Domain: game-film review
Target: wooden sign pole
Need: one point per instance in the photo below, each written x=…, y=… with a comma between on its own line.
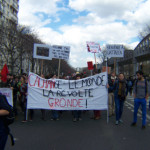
x=59, y=68
x=42, y=66
x=95, y=61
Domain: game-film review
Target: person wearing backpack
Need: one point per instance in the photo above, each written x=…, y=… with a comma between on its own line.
x=4, y=130
x=130, y=85
x=140, y=97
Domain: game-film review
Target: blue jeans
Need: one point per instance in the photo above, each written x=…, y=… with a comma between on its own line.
x=137, y=103
x=119, y=108
x=77, y=114
x=55, y=114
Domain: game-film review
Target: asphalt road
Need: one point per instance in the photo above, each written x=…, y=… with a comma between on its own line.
x=87, y=134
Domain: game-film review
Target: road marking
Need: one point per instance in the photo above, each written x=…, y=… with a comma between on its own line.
x=147, y=116
x=16, y=139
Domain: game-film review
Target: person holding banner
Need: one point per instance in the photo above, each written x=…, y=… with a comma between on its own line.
x=77, y=113
x=55, y=114
x=120, y=92
x=111, y=102
x=43, y=110
x=96, y=113
x=23, y=93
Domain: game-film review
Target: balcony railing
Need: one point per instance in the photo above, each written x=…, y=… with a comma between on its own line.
x=15, y=6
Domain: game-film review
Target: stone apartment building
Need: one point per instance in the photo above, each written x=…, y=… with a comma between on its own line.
x=9, y=11
x=8, y=16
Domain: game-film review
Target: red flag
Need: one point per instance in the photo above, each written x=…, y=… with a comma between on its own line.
x=4, y=73
x=90, y=65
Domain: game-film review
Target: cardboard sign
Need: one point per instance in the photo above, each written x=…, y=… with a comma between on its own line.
x=42, y=51
x=8, y=93
x=93, y=47
x=115, y=50
x=108, y=69
x=90, y=65
x=60, y=52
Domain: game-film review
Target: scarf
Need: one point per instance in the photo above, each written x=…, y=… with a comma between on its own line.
x=122, y=88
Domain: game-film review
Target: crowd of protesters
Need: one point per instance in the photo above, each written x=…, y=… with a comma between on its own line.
x=118, y=89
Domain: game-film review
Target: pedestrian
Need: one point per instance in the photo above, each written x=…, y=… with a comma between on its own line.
x=55, y=113
x=43, y=112
x=120, y=92
x=130, y=85
x=140, y=97
x=4, y=130
x=15, y=91
x=111, y=101
x=23, y=98
x=96, y=113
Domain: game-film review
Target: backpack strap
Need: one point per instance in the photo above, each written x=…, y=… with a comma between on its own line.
x=145, y=87
x=136, y=86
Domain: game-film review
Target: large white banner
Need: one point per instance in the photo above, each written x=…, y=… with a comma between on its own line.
x=8, y=93
x=115, y=50
x=93, y=47
x=85, y=94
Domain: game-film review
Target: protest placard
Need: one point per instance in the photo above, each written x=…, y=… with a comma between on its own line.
x=93, y=47
x=85, y=94
x=8, y=93
x=60, y=52
x=115, y=50
x=42, y=51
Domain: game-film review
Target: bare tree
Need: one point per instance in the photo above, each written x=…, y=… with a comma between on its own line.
x=103, y=55
x=8, y=45
x=16, y=48
x=145, y=31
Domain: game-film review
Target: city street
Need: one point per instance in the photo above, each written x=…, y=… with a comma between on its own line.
x=87, y=134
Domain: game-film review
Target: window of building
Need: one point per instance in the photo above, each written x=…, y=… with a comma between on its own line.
x=146, y=42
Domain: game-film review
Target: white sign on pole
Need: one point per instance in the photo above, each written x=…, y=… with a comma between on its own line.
x=42, y=51
x=115, y=50
x=85, y=94
x=8, y=93
x=93, y=47
x=60, y=52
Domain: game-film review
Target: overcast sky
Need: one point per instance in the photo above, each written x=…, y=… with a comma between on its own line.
x=73, y=22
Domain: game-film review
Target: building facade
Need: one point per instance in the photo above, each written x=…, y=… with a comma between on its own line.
x=9, y=11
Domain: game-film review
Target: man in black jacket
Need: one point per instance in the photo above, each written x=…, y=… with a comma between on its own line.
x=4, y=130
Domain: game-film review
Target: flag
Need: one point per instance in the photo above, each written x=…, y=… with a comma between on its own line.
x=4, y=73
